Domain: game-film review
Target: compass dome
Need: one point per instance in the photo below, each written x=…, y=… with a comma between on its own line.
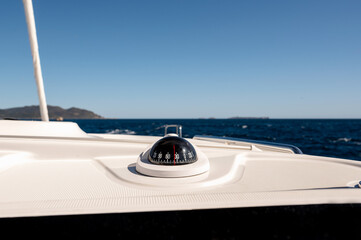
x=172, y=150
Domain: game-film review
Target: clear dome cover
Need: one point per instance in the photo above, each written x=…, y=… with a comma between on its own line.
x=172, y=150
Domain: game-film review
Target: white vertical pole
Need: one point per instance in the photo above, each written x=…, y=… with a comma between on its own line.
x=29, y=13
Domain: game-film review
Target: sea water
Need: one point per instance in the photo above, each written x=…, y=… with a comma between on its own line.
x=322, y=137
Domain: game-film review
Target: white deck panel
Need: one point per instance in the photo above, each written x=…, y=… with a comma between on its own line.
x=61, y=176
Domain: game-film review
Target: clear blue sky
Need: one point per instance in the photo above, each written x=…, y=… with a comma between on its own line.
x=187, y=59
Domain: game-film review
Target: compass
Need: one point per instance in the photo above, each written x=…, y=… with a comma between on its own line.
x=172, y=150
x=172, y=156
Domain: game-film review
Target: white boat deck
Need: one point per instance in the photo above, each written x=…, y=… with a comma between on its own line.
x=53, y=174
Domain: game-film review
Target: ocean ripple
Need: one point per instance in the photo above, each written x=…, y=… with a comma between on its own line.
x=121, y=131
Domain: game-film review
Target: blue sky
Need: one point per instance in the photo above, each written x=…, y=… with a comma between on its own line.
x=187, y=59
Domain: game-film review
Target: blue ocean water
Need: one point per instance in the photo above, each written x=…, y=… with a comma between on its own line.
x=332, y=138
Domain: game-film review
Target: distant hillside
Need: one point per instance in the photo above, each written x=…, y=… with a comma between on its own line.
x=33, y=112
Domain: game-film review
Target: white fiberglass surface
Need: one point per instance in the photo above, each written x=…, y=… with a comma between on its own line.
x=47, y=176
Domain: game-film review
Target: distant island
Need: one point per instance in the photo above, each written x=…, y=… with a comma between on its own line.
x=248, y=118
x=237, y=118
x=55, y=112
